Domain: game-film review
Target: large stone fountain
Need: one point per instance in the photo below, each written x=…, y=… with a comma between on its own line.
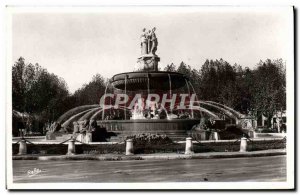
x=140, y=114
x=147, y=79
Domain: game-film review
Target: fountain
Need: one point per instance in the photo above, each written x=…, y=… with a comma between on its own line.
x=144, y=101
x=143, y=114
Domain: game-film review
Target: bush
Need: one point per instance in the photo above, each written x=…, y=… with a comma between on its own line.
x=146, y=148
x=149, y=139
x=61, y=149
x=153, y=143
x=266, y=130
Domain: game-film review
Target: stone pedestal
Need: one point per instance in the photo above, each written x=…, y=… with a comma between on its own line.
x=251, y=134
x=214, y=136
x=88, y=138
x=71, y=147
x=81, y=137
x=254, y=134
x=22, y=147
x=148, y=62
x=189, y=146
x=129, y=147
x=50, y=136
x=243, y=146
x=202, y=135
x=254, y=124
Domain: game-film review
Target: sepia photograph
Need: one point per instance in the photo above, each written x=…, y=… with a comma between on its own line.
x=150, y=97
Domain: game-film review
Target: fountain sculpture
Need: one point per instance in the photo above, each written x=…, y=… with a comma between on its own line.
x=144, y=101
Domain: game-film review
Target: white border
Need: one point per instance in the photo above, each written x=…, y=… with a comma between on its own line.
x=178, y=185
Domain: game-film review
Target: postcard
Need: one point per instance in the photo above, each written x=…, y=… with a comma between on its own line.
x=150, y=97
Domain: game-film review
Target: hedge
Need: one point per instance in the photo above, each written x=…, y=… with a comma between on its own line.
x=61, y=149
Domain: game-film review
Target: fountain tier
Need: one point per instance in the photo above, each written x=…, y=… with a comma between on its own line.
x=158, y=80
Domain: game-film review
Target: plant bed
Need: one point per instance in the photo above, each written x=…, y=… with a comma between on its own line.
x=235, y=146
x=148, y=148
x=267, y=144
x=61, y=149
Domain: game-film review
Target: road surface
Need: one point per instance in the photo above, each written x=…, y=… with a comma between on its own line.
x=193, y=170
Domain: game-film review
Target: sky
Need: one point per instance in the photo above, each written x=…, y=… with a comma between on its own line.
x=76, y=45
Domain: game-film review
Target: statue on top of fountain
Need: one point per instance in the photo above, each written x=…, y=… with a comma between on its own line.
x=148, y=61
x=148, y=42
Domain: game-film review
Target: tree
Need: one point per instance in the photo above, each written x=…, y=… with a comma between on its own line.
x=245, y=86
x=92, y=92
x=23, y=77
x=184, y=69
x=49, y=95
x=170, y=68
x=37, y=92
x=192, y=74
x=269, y=90
x=218, y=82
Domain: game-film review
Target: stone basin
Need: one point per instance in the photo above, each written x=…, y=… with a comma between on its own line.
x=158, y=80
x=176, y=129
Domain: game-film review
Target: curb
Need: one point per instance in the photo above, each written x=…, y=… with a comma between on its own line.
x=171, y=156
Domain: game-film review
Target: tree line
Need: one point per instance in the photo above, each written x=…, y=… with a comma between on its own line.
x=45, y=96
x=257, y=91
x=261, y=90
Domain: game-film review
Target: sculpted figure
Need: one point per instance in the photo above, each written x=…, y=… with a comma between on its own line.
x=149, y=41
x=144, y=42
x=76, y=127
x=154, y=42
x=84, y=126
x=55, y=126
x=93, y=125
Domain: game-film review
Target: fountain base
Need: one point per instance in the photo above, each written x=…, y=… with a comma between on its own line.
x=175, y=129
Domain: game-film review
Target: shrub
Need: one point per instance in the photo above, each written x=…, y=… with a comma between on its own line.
x=146, y=148
x=150, y=139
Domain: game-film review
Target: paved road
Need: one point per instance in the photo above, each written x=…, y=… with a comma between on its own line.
x=192, y=170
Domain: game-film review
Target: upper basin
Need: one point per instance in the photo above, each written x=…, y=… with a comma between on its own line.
x=158, y=80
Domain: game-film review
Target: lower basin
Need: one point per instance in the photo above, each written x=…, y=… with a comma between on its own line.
x=176, y=129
